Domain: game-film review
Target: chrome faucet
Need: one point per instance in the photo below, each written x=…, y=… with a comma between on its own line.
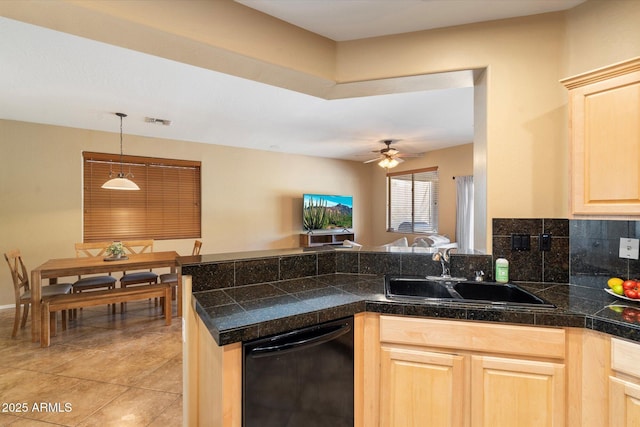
x=444, y=258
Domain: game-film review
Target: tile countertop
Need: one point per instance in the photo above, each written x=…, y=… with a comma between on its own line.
x=258, y=310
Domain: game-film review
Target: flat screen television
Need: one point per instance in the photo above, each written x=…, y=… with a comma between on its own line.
x=327, y=212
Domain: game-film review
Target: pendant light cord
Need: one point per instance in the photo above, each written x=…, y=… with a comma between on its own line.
x=121, y=115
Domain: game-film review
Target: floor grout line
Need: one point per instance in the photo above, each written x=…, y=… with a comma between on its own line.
x=135, y=333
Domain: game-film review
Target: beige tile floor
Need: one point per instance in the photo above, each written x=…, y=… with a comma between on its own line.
x=104, y=370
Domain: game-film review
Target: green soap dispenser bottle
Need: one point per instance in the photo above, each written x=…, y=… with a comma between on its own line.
x=502, y=270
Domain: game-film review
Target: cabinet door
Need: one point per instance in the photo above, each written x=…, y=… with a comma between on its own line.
x=420, y=388
x=605, y=140
x=624, y=403
x=510, y=392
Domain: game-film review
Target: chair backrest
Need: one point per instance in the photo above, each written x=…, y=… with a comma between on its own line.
x=196, y=247
x=91, y=249
x=138, y=246
x=19, y=272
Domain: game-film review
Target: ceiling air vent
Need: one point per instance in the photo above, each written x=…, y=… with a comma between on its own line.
x=163, y=122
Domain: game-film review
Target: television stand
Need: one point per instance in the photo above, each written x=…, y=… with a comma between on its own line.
x=325, y=237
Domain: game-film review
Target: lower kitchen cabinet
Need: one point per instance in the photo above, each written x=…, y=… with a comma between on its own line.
x=470, y=374
x=624, y=397
x=408, y=378
x=624, y=384
x=503, y=390
x=211, y=374
x=412, y=371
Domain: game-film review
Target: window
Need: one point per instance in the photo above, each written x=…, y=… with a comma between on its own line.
x=413, y=201
x=166, y=207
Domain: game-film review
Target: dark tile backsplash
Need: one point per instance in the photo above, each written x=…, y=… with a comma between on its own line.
x=534, y=265
x=595, y=248
x=582, y=252
x=211, y=276
x=257, y=271
x=293, y=267
x=240, y=273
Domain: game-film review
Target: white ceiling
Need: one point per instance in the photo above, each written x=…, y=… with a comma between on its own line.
x=55, y=78
x=342, y=20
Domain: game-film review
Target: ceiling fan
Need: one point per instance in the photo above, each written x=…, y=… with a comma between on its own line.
x=390, y=157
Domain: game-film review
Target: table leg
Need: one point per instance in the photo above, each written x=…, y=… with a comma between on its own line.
x=36, y=297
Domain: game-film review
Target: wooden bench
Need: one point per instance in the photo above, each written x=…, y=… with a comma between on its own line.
x=87, y=299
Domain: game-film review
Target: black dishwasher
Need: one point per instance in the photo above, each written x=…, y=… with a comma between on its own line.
x=300, y=378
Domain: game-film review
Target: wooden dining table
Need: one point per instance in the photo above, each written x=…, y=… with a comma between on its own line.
x=67, y=267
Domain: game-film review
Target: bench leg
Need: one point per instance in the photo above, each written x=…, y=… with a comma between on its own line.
x=44, y=325
x=167, y=306
x=53, y=321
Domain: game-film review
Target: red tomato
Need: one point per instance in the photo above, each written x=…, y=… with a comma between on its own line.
x=631, y=293
x=629, y=284
x=629, y=315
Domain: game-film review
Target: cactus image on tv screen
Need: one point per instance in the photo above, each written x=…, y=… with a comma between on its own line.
x=327, y=212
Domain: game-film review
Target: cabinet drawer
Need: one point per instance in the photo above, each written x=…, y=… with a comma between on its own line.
x=625, y=356
x=474, y=336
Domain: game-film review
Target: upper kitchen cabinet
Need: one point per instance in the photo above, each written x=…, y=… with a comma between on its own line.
x=604, y=117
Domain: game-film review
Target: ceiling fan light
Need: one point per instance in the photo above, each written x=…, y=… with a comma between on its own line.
x=388, y=163
x=120, y=183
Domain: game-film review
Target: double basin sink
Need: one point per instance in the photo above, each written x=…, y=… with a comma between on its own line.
x=442, y=289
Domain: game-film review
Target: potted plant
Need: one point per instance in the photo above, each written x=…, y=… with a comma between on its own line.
x=115, y=250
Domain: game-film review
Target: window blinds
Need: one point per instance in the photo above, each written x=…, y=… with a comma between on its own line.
x=166, y=207
x=413, y=201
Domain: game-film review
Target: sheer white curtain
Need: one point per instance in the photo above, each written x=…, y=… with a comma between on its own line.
x=464, y=213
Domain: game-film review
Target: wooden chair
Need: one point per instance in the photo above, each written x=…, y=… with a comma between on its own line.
x=172, y=278
x=93, y=249
x=20, y=277
x=142, y=277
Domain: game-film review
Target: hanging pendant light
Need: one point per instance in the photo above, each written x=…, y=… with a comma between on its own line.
x=121, y=181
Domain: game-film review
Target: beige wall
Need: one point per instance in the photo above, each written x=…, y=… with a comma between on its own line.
x=601, y=33
x=526, y=139
x=454, y=161
x=250, y=199
x=525, y=136
x=525, y=145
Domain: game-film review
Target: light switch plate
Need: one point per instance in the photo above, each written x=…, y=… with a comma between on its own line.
x=629, y=248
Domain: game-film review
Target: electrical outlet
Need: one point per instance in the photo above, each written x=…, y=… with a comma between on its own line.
x=545, y=242
x=629, y=248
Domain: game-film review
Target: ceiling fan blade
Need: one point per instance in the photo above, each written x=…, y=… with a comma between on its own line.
x=410, y=155
x=377, y=159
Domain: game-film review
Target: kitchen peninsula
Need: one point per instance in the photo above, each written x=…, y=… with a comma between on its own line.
x=240, y=297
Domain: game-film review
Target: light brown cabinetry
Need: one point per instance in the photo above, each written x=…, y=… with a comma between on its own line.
x=212, y=374
x=408, y=379
x=412, y=371
x=503, y=389
x=454, y=373
x=624, y=384
x=604, y=114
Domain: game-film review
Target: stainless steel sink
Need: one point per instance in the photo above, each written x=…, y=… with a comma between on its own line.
x=456, y=290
